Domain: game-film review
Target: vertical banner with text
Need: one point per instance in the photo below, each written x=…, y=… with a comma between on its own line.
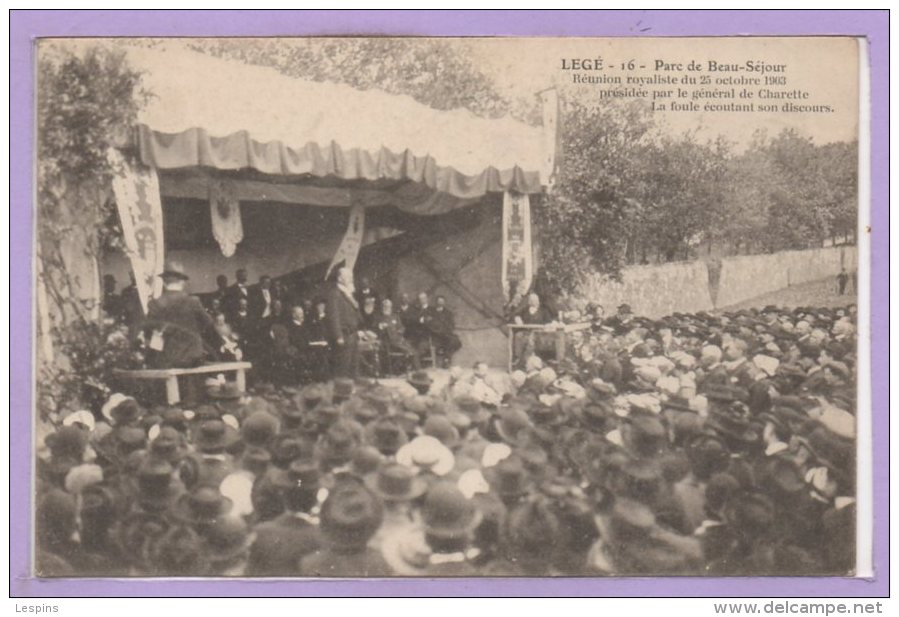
x=518, y=257
x=352, y=241
x=137, y=198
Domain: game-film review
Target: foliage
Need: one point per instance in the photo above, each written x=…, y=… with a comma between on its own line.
x=430, y=70
x=92, y=350
x=86, y=103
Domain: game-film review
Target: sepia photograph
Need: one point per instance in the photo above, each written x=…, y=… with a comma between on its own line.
x=374, y=307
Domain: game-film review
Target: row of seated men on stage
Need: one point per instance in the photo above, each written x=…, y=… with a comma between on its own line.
x=347, y=331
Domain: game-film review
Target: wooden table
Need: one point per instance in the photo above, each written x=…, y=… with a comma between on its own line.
x=170, y=376
x=560, y=330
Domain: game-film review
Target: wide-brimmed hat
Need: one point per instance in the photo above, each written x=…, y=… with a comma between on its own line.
x=448, y=514
x=259, y=428
x=471, y=407
x=290, y=447
x=512, y=423
x=173, y=270
x=360, y=409
x=395, y=482
x=82, y=419
x=226, y=539
x=155, y=486
x=441, y=427
x=310, y=396
x=365, y=460
x=386, y=435
x=350, y=515
x=168, y=444
x=336, y=445
x=733, y=425
x=176, y=552
x=723, y=393
x=831, y=450
x=343, y=388
x=69, y=442
x=427, y=454
x=785, y=475
x=420, y=379
x=214, y=435
x=256, y=459
x=203, y=506
x=127, y=411
x=137, y=533
x=111, y=403
x=381, y=399
x=508, y=478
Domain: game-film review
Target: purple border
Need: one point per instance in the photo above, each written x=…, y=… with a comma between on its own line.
x=26, y=25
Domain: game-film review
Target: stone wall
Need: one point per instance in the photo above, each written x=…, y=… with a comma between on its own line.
x=655, y=291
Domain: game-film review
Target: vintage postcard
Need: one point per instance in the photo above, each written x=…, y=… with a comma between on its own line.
x=442, y=307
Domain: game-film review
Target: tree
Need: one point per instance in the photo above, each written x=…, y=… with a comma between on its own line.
x=585, y=223
x=86, y=103
x=430, y=70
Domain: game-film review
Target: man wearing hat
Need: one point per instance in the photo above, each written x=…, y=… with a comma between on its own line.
x=622, y=321
x=350, y=516
x=343, y=320
x=176, y=325
x=283, y=541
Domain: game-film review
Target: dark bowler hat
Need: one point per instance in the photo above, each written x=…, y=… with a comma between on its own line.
x=441, y=427
x=155, y=487
x=259, y=428
x=448, y=514
x=395, y=482
x=336, y=446
x=350, y=516
x=508, y=478
x=215, y=435
x=173, y=270
x=386, y=435
x=203, y=506
x=176, y=552
x=227, y=539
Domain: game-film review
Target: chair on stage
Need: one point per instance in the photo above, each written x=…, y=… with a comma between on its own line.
x=429, y=358
x=370, y=358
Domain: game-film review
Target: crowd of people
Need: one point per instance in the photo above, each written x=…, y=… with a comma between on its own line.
x=290, y=338
x=695, y=444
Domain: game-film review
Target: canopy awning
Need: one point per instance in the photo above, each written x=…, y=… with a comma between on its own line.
x=226, y=115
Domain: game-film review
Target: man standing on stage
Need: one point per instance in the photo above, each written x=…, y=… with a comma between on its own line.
x=177, y=325
x=343, y=320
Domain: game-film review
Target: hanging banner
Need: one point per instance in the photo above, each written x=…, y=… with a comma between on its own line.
x=518, y=257
x=137, y=198
x=224, y=209
x=549, y=100
x=352, y=241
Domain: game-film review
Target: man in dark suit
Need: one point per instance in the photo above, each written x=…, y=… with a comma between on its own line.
x=239, y=290
x=298, y=336
x=418, y=329
x=526, y=342
x=392, y=332
x=261, y=299
x=443, y=331
x=177, y=324
x=317, y=331
x=365, y=290
x=343, y=320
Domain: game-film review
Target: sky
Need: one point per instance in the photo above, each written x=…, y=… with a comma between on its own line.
x=825, y=67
